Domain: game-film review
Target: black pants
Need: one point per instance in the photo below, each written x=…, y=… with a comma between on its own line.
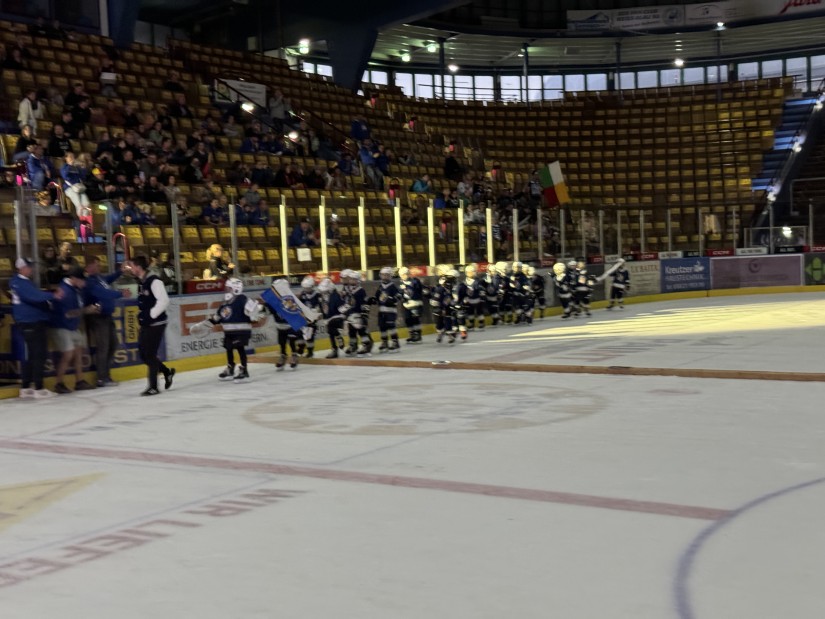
x=102, y=331
x=33, y=365
x=148, y=345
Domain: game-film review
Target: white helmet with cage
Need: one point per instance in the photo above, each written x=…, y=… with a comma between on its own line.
x=232, y=288
x=404, y=273
x=308, y=283
x=385, y=274
x=326, y=286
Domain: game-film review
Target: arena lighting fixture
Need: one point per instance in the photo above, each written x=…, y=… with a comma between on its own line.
x=679, y=62
x=293, y=135
x=248, y=107
x=102, y=207
x=720, y=25
x=303, y=46
x=452, y=67
x=432, y=47
x=787, y=232
x=772, y=196
x=405, y=57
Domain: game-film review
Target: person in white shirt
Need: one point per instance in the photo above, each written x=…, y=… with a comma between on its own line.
x=29, y=111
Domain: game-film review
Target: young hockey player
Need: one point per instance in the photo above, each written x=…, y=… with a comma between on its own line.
x=312, y=299
x=356, y=310
x=235, y=316
x=387, y=297
x=505, y=298
x=620, y=285
x=441, y=301
x=564, y=286
x=476, y=295
x=412, y=293
x=518, y=292
x=491, y=294
x=536, y=285
x=331, y=304
x=459, y=305
x=584, y=288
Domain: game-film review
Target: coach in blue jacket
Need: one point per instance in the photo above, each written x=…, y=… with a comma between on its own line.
x=101, y=327
x=31, y=308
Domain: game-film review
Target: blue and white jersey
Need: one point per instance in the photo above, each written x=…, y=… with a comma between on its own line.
x=476, y=291
x=412, y=292
x=232, y=315
x=311, y=298
x=621, y=279
x=388, y=296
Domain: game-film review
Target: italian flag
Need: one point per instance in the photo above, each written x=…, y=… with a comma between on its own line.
x=552, y=183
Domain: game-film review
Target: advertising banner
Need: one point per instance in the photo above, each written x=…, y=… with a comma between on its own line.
x=658, y=17
x=185, y=311
x=645, y=278
x=685, y=274
x=253, y=92
x=756, y=271
x=814, y=269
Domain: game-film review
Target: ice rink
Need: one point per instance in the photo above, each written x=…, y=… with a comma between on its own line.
x=478, y=480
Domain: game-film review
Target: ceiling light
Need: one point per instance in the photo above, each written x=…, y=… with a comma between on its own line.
x=303, y=46
x=432, y=48
x=452, y=67
x=720, y=25
x=679, y=62
x=248, y=107
x=405, y=57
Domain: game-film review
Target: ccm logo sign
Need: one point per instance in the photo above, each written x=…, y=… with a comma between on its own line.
x=203, y=286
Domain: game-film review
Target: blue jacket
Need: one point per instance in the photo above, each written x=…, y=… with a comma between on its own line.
x=28, y=302
x=72, y=174
x=34, y=165
x=66, y=312
x=99, y=290
x=366, y=156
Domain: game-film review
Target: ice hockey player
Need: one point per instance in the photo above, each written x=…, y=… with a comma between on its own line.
x=387, y=297
x=235, y=316
x=505, y=299
x=475, y=297
x=355, y=299
x=459, y=305
x=584, y=288
x=564, y=286
x=310, y=297
x=518, y=293
x=287, y=337
x=412, y=293
x=490, y=283
x=620, y=285
x=441, y=301
x=537, y=294
x=331, y=304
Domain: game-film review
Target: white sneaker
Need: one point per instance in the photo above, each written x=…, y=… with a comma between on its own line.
x=42, y=394
x=26, y=394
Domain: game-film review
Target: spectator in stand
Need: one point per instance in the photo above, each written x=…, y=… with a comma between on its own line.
x=31, y=308
x=25, y=144
x=202, y=154
x=337, y=180
x=360, y=129
x=20, y=46
x=39, y=168
x=230, y=128
x=259, y=215
x=156, y=134
x=172, y=83
x=127, y=165
x=423, y=185
x=213, y=214
x=81, y=117
x=179, y=108
x=105, y=143
x=315, y=179
x=29, y=111
x=148, y=216
x=39, y=28
x=192, y=173
x=252, y=195
x=279, y=109
x=14, y=61
x=407, y=159
x=74, y=188
x=218, y=268
x=153, y=191
x=372, y=174
x=64, y=332
x=98, y=189
x=237, y=174
x=131, y=214
x=249, y=145
x=75, y=95
x=164, y=119
x=59, y=144
x=107, y=77
x=452, y=168
x=325, y=149
x=173, y=192
x=50, y=270
x=185, y=214
x=302, y=235
x=150, y=166
x=334, y=232
x=345, y=165
x=101, y=326
x=130, y=119
x=262, y=175
x=382, y=162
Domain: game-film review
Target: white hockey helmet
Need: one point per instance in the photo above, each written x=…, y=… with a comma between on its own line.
x=501, y=268
x=308, y=283
x=517, y=266
x=529, y=270
x=232, y=288
x=491, y=269
x=559, y=268
x=404, y=273
x=326, y=286
x=571, y=264
x=356, y=276
x=385, y=274
x=471, y=270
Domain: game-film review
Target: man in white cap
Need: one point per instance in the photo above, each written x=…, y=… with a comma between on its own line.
x=31, y=308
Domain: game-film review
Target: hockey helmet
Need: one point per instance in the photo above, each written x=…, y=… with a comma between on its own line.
x=385, y=274
x=501, y=268
x=326, y=286
x=308, y=283
x=442, y=269
x=529, y=270
x=491, y=270
x=559, y=268
x=232, y=288
x=517, y=266
x=356, y=277
x=404, y=273
x=471, y=270
x=571, y=264
x=581, y=265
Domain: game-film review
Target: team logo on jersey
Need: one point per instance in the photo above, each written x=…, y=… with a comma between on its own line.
x=289, y=304
x=225, y=312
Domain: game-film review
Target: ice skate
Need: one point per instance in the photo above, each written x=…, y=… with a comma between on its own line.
x=228, y=373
